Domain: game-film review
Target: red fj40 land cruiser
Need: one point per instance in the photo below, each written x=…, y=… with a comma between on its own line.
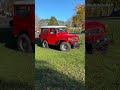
x=24, y=25
x=58, y=35
x=96, y=36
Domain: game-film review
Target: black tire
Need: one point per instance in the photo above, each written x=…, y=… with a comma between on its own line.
x=45, y=44
x=24, y=43
x=64, y=46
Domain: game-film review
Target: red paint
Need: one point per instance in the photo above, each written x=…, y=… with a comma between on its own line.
x=25, y=24
x=90, y=26
x=57, y=37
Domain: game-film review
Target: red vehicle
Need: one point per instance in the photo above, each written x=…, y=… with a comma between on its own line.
x=24, y=25
x=96, y=35
x=58, y=35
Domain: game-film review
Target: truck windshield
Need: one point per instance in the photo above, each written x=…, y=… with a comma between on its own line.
x=61, y=30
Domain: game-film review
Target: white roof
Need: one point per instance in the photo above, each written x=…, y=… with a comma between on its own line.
x=24, y=2
x=53, y=27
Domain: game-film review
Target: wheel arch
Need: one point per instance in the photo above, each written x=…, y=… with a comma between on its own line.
x=24, y=32
x=59, y=42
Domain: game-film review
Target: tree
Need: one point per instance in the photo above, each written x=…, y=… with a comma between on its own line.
x=53, y=21
x=102, y=10
x=7, y=5
x=60, y=22
x=80, y=15
x=69, y=22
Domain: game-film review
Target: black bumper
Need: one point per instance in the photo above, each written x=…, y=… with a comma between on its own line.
x=77, y=45
x=97, y=45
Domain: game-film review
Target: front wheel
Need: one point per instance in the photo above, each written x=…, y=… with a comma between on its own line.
x=24, y=43
x=64, y=46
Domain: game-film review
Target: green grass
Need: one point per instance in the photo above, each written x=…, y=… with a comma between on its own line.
x=102, y=70
x=58, y=69
x=16, y=68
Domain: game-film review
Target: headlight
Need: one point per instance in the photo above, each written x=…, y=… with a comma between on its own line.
x=74, y=39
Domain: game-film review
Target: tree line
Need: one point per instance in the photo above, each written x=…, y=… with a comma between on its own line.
x=98, y=8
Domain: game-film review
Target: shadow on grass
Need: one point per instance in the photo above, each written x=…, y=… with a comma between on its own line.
x=10, y=43
x=48, y=78
x=14, y=85
x=39, y=43
x=6, y=38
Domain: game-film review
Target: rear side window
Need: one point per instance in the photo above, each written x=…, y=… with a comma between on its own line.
x=22, y=11
x=44, y=30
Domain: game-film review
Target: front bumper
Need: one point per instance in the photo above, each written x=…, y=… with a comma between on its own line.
x=98, y=44
x=76, y=45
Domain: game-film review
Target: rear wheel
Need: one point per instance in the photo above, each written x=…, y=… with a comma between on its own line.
x=45, y=44
x=24, y=43
x=64, y=46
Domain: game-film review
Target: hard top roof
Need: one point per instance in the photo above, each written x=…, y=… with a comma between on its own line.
x=24, y=2
x=53, y=27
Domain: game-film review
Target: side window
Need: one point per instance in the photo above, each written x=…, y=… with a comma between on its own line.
x=52, y=31
x=22, y=11
x=44, y=31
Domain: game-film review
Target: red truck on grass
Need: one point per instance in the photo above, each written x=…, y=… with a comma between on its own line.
x=58, y=36
x=24, y=25
x=96, y=36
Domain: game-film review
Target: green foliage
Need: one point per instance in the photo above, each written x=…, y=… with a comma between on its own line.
x=80, y=16
x=53, y=21
x=7, y=5
x=45, y=22
x=102, y=10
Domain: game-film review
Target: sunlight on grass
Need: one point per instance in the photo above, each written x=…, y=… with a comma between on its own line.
x=70, y=63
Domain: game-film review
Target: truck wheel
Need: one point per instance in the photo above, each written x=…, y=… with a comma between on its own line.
x=24, y=43
x=64, y=46
x=45, y=44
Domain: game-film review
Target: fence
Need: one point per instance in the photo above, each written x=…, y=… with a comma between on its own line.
x=75, y=29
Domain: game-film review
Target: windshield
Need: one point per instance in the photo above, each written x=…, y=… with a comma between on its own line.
x=61, y=30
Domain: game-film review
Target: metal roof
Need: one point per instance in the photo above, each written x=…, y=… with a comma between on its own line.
x=24, y=2
x=53, y=27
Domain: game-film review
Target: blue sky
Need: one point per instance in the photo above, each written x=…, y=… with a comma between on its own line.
x=61, y=9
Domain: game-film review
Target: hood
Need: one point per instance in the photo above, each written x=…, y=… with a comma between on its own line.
x=92, y=24
x=67, y=35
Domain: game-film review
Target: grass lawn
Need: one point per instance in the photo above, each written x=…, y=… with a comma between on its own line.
x=57, y=69
x=16, y=68
x=103, y=70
